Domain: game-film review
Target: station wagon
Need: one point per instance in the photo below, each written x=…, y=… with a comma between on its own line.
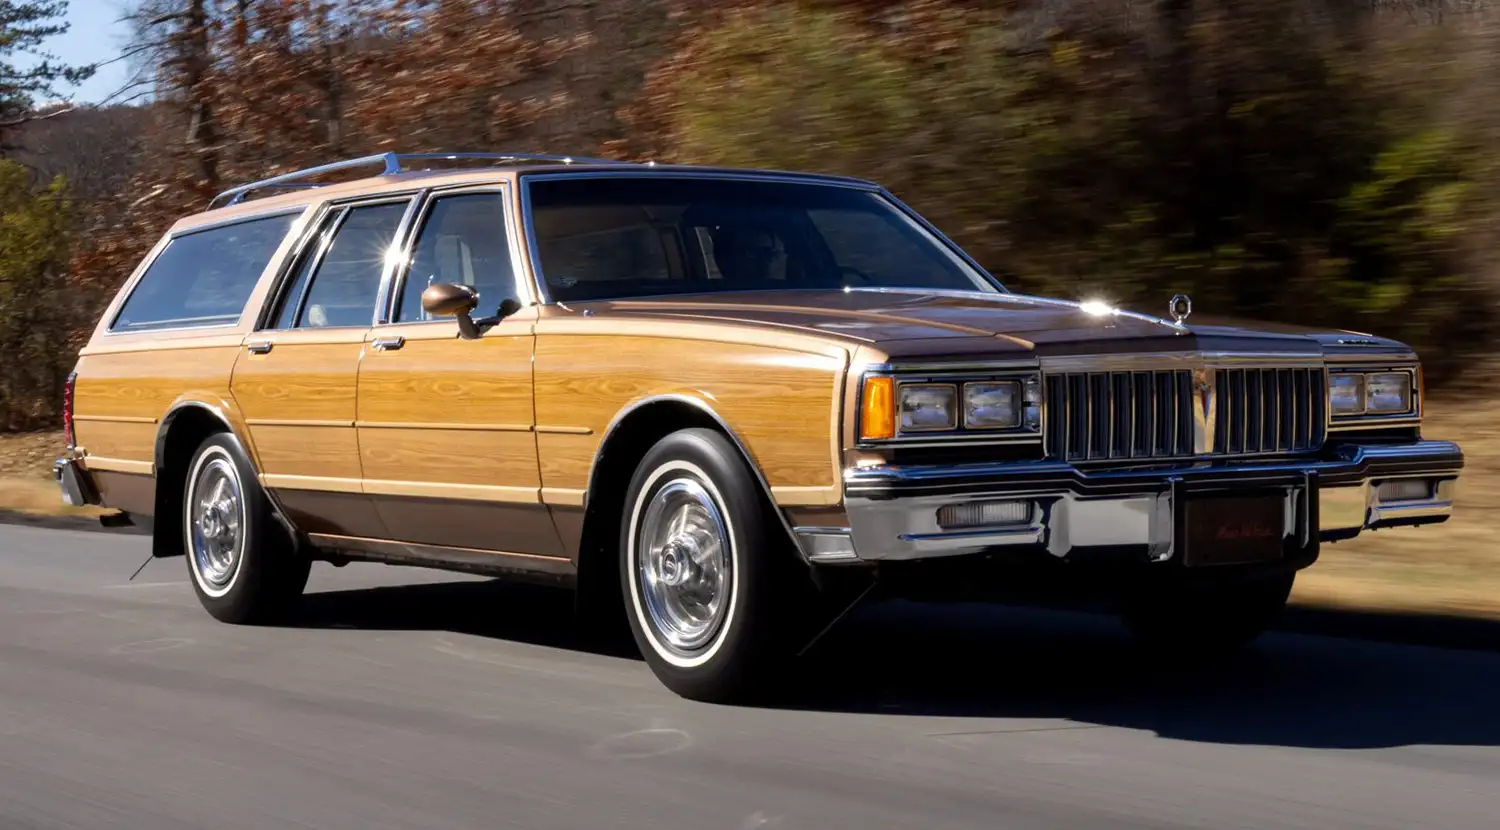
x=724, y=403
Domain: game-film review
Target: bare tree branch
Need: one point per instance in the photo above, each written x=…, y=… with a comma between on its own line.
x=132, y=52
x=123, y=101
x=110, y=99
x=27, y=119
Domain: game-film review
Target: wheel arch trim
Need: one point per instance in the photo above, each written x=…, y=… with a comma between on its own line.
x=240, y=436
x=216, y=411
x=704, y=408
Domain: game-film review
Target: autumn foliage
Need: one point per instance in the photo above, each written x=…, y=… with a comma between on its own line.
x=1300, y=160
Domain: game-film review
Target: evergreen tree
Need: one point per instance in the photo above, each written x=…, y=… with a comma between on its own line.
x=27, y=71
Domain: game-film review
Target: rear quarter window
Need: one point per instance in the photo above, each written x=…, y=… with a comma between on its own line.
x=204, y=278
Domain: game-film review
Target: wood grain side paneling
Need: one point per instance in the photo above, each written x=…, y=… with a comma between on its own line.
x=444, y=421
x=442, y=410
x=314, y=451
x=121, y=396
x=781, y=401
x=299, y=401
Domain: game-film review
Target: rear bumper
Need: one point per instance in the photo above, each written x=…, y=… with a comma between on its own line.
x=77, y=486
x=1070, y=513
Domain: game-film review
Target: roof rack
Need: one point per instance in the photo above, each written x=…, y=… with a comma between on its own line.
x=391, y=164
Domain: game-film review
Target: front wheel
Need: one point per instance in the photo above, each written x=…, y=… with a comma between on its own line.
x=241, y=563
x=701, y=573
x=1197, y=622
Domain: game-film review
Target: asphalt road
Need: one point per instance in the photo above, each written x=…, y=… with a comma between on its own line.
x=416, y=699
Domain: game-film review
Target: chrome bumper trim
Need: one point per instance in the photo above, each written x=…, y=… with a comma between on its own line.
x=74, y=482
x=1358, y=507
x=893, y=510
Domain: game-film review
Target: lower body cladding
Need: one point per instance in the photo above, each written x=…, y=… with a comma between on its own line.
x=1195, y=514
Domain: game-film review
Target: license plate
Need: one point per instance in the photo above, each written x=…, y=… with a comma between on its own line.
x=1234, y=530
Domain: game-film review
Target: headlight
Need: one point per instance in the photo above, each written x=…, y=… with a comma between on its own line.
x=992, y=405
x=1371, y=393
x=950, y=407
x=929, y=407
x=1346, y=394
x=1388, y=392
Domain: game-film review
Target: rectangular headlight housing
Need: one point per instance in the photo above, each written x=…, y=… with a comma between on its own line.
x=1373, y=394
x=1346, y=394
x=1388, y=393
x=928, y=407
x=995, y=405
x=949, y=405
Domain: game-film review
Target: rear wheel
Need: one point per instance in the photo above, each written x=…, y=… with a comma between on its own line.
x=1195, y=622
x=701, y=574
x=240, y=561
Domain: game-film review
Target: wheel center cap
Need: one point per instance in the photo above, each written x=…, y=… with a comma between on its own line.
x=675, y=566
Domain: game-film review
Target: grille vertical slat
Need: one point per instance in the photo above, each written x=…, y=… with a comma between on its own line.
x=1275, y=410
x=1120, y=415
x=1104, y=416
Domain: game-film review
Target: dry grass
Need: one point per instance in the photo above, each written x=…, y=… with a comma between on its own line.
x=26, y=476
x=1452, y=568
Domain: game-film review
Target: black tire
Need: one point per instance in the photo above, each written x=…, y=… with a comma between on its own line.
x=1204, y=622
x=266, y=577
x=753, y=637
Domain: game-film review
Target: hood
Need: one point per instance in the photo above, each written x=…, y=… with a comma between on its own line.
x=912, y=322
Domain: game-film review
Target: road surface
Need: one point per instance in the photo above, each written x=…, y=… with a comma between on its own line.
x=417, y=699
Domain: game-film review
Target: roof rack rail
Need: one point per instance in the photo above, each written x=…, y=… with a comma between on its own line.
x=391, y=164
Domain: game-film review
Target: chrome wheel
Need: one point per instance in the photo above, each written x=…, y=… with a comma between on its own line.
x=216, y=522
x=683, y=565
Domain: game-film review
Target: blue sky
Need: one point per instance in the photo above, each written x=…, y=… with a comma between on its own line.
x=95, y=35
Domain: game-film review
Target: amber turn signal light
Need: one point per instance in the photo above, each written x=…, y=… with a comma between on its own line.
x=877, y=409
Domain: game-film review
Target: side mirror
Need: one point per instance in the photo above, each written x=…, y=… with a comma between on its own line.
x=446, y=299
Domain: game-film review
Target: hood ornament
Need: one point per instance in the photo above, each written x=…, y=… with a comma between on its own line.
x=1181, y=307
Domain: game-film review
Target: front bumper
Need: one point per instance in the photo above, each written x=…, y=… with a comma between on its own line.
x=893, y=512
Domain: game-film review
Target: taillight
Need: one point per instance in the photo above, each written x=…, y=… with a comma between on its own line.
x=68, y=410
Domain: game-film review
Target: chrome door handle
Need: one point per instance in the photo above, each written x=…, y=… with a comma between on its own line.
x=261, y=347
x=388, y=344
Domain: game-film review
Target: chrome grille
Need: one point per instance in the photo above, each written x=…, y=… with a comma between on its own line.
x=1260, y=411
x=1103, y=416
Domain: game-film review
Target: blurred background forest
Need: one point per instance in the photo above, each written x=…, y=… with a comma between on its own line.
x=1329, y=162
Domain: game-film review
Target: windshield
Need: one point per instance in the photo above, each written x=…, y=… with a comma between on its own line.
x=612, y=237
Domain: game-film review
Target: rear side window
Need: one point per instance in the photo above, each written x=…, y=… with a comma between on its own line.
x=204, y=278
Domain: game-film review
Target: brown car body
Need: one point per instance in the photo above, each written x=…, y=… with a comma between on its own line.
x=406, y=442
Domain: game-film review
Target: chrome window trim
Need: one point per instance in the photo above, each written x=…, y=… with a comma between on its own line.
x=342, y=206
x=428, y=198
x=943, y=239
x=310, y=235
x=538, y=280
x=325, y=241
x=390, y=267
x=165, y=241
x=266, y=213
